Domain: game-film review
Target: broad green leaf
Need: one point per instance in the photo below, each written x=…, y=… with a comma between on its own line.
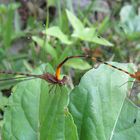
x=128, y=123
x=78, y=64
x=56, y=32
x=69, y=123
x=46, y=46
x=100, y=108
x=37, y=111
x=75, y=22
x=90, y=34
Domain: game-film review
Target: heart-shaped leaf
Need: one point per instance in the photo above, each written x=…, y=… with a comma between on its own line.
x=100, y=107
x=38, y=111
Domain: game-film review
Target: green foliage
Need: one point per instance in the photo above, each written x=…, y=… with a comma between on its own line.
x=41, y=112
x=10, y=32
x=78, y=64
x=7, y=31
x=86, y=34
x=98, y=108
x=56, y=32
x=130, y=21
x=98, y=102
x=80, y=33
x=46, y=46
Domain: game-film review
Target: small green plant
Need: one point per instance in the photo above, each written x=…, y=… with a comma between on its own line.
x=69, y=43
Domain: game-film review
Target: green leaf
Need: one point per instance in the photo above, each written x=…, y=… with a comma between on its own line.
x=69, y=123
x=56, y=32
x=90, y=34
x=85, y=34
x=127, y=12
x=78, y=64
x=130, y=22
x=127, y=127
x=37, y=111
x=100, y=108
x=102, y=41
x=76, y=23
